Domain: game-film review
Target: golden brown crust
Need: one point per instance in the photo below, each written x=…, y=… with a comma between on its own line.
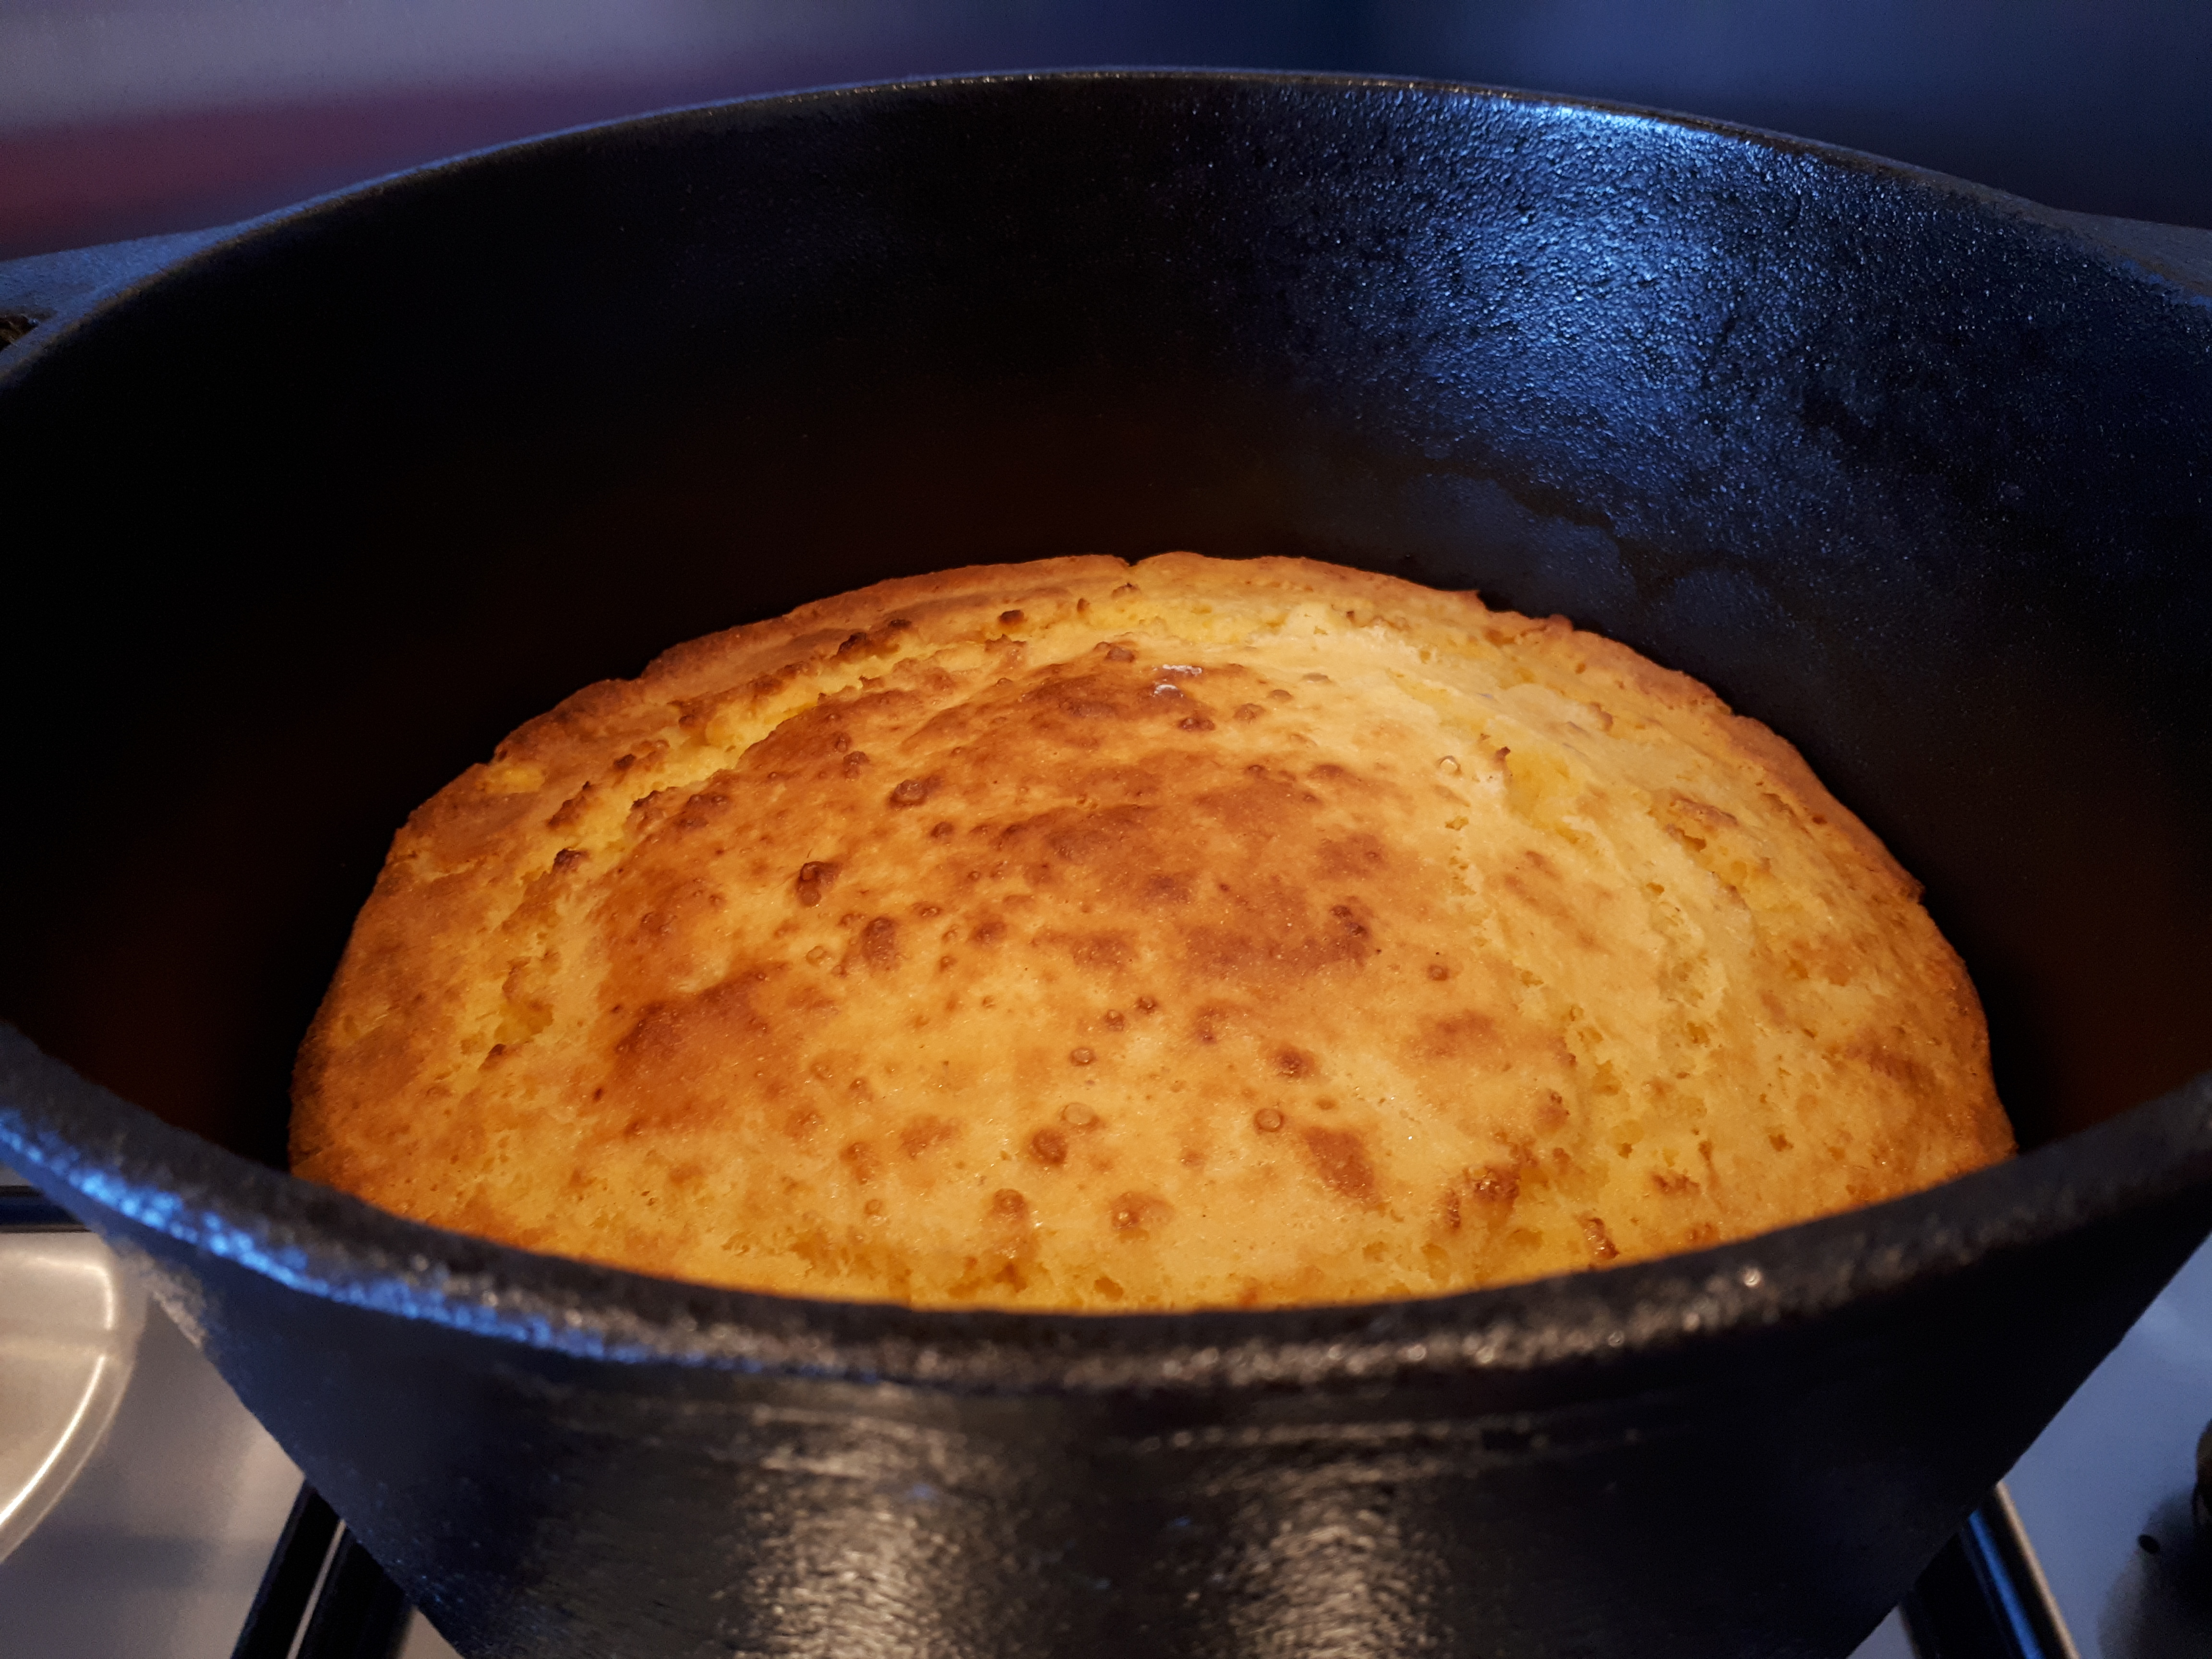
x=1073, y=934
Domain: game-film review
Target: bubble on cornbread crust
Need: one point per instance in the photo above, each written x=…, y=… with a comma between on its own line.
x=1079, y=936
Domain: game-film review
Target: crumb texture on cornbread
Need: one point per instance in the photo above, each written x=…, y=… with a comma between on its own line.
x=1082, y=935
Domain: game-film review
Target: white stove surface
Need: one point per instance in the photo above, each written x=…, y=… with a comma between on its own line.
x=156, y=1551
x=2104, y=1493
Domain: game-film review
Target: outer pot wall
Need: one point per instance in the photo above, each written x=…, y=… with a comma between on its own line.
x=1749, y=1451
x=1915, y=473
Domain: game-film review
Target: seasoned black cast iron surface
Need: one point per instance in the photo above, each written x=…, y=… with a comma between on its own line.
x=1916, y=474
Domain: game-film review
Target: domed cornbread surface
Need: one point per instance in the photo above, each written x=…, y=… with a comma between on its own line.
x=1077, y=935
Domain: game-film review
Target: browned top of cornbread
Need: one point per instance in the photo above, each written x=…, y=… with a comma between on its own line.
x=1078, y=935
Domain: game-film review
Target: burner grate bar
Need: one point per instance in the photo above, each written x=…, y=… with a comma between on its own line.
x=1984, y=1596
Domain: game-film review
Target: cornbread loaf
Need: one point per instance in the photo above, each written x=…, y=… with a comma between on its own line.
x=1081, y=935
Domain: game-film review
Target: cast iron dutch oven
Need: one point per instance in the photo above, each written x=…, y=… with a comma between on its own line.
x=1917, y=473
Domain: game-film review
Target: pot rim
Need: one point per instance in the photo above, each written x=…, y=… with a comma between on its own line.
x=122, y=1168
x=159, y=259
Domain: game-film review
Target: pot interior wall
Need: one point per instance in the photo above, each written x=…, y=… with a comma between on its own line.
x=309, y=525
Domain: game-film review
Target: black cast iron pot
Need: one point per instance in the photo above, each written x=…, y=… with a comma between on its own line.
x=1917, y=473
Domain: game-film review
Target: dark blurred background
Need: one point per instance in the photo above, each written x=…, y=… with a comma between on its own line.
x=126, y=118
